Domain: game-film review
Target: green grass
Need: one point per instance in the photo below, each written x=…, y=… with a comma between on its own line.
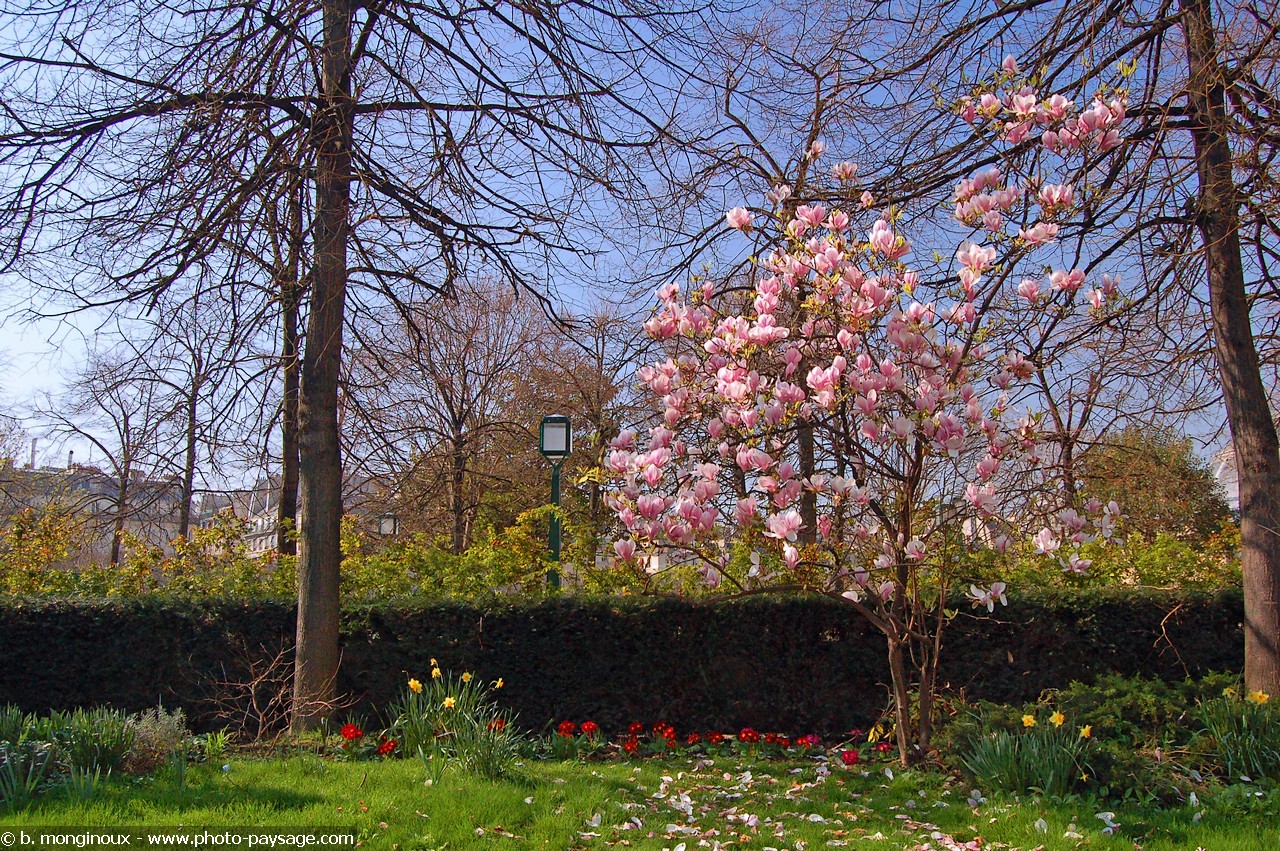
x=388, y=806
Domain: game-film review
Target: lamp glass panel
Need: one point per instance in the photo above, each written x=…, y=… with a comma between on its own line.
x=555, y=439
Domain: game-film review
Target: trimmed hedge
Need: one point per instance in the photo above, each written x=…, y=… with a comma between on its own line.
x=789, y=663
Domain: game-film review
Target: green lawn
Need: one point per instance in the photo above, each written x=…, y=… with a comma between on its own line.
x=738, y=804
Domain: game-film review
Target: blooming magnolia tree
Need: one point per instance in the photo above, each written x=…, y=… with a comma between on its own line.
x=841, y=432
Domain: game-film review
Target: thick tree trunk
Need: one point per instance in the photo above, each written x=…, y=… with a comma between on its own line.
x=457, y=480
x=1253, y=432
x=320, y=463
x=900, y=682
x=122, y=509
x=189, y=456
x=290, y=294
x=808, y=498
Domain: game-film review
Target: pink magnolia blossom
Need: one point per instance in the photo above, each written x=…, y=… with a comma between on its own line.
x=739, y=218
x=625, y=549
x=1045, y=542
x=1077, y=565
x=783, y=526
x=1039, y=234
x=1066, y=281
x=1110, y=286
x=1055, y=196
x=988, y=596
x=983, y=498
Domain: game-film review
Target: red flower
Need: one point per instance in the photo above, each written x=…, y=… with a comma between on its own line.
x=694, y=738
x=590, y=728
x=809, y=741
x=770, y=738
x=850, y=758
x=856, y=733
x=636, y=728
x=351, y=732
x=567, y=728
x=385, y=748
x=883, y=747
x=784, y=741
x=497, y=725
x=748, y=735
x=631, y=745
x=715, y=738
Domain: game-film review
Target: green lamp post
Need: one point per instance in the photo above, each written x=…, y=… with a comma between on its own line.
x=555, y=441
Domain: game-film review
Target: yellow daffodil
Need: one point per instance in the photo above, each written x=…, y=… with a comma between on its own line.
x=1259, y=697
x=1228, y=691
x=435, y=674
x=466, y=676
x=434, y=663
x=498, y=684
x=415, y=686
x=1058, y=719
x=1084, y=778
x=450, y=702
x=1028, y=721
x=1086, y=732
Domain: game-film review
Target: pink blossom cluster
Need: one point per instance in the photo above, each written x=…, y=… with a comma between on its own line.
x=897, y=393
x=1016, y=111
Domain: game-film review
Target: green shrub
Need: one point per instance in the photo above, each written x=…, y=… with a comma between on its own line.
x=784, y=662
x=1143, y=742
x=159, y=736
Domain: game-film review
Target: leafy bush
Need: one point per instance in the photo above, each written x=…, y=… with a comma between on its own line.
x=31, y=542
x=1163, y=561
x=159, y=735
x=799, y=663
x=1144, y=733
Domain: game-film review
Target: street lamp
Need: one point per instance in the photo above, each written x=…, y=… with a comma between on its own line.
x=555, y=441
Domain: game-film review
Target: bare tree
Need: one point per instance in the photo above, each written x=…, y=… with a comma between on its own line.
x=428, y=155
x=432, y=391
x=119, y=417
